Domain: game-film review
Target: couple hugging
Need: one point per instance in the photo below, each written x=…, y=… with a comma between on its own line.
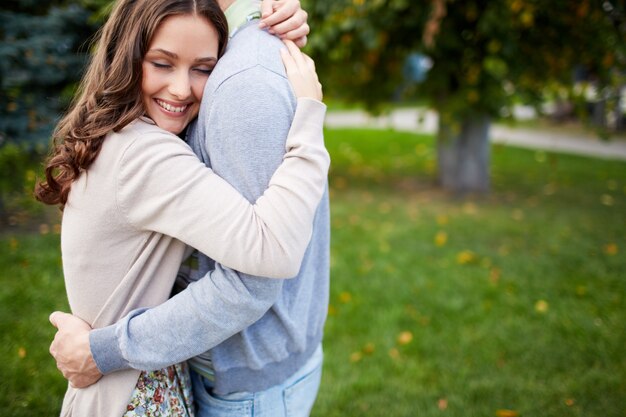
x=165, y=149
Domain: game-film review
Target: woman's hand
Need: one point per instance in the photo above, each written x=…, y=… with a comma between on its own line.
x=286, y=19
x=301, y=72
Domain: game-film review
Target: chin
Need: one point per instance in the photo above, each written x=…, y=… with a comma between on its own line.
x=170, y=126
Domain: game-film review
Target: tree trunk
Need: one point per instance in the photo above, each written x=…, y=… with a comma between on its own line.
x=463, y=155
x=3, y=214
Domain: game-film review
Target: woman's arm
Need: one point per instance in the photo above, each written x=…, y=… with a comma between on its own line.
x=163, y=187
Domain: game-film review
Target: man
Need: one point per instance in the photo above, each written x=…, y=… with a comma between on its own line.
x=263, y=336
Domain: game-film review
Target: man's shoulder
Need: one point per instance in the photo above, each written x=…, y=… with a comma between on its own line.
x=250, y=49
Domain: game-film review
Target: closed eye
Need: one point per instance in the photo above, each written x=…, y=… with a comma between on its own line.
x=160, y=65
x=204, y=71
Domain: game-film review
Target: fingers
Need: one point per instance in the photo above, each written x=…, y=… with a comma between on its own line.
x=266, y=8
x=301, y=61
x=279, y=11
x=301, y=42
x=288, y=61
x=295, y=53
x=66, y=322
x=56, y=318
x=297, y=20
x=285, y=19
x=297, y=35
x=53, y=348
x=301, y=72
x=310, y=64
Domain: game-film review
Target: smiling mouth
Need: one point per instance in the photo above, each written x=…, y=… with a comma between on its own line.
x=170, y=108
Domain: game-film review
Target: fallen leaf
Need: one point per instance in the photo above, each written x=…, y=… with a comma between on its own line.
x=441, y=238
x=44, y=229
x=442, y=403
x=405, y=337
x=611, y=185
x=610, y=249
x=442, y=219
x=549, y=189
x=494, y=275
x=340, y=183
x=345, y=297
x=21, y=352
x=465, y=257
x=607, y=199
x=569, y=402
x=394, y=353
x=541, y=306
x=356, y=357
x=369, y=348
x=506, y=413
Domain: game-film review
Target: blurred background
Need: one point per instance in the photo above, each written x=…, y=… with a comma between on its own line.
x=478, y=196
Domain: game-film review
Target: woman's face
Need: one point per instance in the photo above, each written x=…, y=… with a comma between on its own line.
x=181, y=55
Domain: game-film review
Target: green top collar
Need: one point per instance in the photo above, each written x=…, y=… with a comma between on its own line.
x=241, y=12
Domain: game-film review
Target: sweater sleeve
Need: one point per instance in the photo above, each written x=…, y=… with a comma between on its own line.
x=163, y=187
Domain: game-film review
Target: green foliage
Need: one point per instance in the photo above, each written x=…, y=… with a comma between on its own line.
x=43, y=50
x=359, y=46
x=18, y=171
x=42, y=54
x=487, y=54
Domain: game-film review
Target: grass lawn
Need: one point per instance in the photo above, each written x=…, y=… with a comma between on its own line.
x=505, y=305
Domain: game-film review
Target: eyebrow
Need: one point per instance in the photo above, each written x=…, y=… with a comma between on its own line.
x=175, y=56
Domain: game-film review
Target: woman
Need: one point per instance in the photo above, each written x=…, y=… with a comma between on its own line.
x=134, y=194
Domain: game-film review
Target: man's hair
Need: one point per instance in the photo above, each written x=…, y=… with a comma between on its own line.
x=109, y=95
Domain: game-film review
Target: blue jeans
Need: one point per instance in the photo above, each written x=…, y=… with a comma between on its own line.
x=293, y=398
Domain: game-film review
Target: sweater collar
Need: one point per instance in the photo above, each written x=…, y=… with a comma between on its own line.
x=241, y=12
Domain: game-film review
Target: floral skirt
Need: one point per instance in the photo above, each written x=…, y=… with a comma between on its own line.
x=163, y=393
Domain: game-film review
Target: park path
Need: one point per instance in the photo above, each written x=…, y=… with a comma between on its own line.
x=425, y=121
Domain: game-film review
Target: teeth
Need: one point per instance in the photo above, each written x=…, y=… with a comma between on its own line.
x=171, y=108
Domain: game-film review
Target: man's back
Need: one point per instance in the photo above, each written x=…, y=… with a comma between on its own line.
x=246, y=113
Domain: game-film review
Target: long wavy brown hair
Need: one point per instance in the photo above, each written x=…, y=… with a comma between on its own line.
x=109, y=95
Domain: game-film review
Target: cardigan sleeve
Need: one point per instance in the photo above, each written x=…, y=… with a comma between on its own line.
x=163, y=187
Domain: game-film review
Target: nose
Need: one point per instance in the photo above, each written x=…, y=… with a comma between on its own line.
x=180, y=85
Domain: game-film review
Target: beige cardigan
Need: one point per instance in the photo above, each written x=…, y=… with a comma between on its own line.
x=129, y=218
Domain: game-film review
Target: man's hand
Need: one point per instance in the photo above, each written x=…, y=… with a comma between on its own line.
x=286, y=19
x=70, y=348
